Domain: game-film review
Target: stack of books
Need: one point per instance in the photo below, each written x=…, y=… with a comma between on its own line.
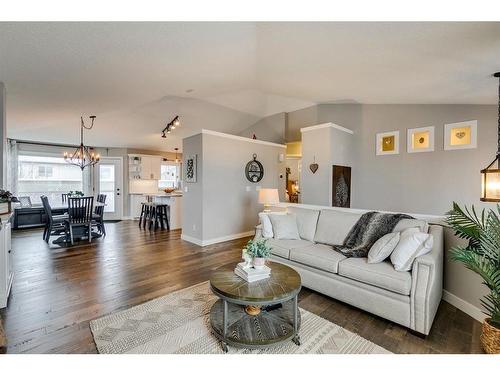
x=251, y=274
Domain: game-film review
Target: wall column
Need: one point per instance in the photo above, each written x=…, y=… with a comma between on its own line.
x=3, y=137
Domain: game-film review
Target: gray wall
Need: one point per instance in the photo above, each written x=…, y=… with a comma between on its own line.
x=424, y=183
x=271, y=128
x=223, y=202
x=192, y=197
x=3, y=136
x=326, y=147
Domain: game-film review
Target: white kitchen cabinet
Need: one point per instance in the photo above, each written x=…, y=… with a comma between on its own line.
x=144, y=167
x=6, y=264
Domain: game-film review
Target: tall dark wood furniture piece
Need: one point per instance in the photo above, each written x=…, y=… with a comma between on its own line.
x=98, y=215
x=80, y=212
x=55, y=224
x=276, y=296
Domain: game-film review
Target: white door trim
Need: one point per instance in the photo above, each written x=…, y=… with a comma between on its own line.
x=119, y=178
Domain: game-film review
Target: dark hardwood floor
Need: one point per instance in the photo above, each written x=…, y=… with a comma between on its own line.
x=57, y=291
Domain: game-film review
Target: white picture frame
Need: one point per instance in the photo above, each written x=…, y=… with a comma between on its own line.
x=382, y=138
x=453, y=142
x=420, y=139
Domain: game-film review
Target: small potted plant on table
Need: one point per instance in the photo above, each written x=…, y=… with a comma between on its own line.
x=6, y=199
x=259, y=250
x=481, y=255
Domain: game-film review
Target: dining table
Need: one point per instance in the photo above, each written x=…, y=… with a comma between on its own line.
x=78, y=232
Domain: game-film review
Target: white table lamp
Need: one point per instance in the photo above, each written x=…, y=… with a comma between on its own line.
x=268, y=197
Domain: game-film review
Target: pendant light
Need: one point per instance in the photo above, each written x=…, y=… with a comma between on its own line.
x=83, y=156
x=490, y=176
x=177, y=160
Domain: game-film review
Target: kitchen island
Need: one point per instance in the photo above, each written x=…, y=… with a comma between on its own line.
x=174, y=200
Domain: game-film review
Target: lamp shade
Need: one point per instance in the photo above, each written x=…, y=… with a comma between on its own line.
x=269, y=196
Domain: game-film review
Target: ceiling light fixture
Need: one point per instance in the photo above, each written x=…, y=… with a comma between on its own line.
x=171, y=126
x=83, y=155
x=177, y=160
x=490, y=176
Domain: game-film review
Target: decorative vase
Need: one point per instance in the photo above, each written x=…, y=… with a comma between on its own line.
x=490, y=338
x=259, y=263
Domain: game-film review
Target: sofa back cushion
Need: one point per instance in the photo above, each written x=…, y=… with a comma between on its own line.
x=307, y=220
x=285, y=227
x=333, y=226
x=404, y=224
x=267, y=226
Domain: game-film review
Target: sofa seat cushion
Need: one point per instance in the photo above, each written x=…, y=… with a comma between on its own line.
x=382, y=275
x=319, y=256
x=282, y=248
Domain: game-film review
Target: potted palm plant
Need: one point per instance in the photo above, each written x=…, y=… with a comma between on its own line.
x=481, y=255
x=259, y=250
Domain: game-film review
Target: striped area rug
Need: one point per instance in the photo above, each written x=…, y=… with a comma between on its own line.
x=179, y=323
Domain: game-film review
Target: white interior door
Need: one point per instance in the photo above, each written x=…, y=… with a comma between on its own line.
x=109, y=181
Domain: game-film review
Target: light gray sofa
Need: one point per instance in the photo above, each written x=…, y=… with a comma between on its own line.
x=410, y=299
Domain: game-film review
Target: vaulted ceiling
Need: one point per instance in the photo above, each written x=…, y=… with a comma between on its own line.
x=226, y=76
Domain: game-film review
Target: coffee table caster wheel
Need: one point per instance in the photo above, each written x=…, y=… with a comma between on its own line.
x=296, y=340
x=225, y=348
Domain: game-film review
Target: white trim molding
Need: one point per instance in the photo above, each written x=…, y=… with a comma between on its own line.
x=326, y=125
x=465, y=306
x=240, y=138
x=213, y=241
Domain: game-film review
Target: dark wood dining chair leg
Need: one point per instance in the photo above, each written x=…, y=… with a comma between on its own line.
x=90, y=233
x=146, y=216
x=103, y=228
x=160, y=216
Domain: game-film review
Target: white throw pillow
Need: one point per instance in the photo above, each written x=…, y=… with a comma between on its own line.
x=285, y=227
x=412, y=244
x=307, y=220
x=404, y=224
x=267, y=227
x=383, y=247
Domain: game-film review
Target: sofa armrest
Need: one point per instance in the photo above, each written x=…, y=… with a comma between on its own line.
x=427, y=284
x=258, y=232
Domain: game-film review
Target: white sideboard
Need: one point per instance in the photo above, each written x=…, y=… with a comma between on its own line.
x=6, y=265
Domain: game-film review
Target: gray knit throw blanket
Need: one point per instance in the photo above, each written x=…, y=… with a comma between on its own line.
x=368, y=229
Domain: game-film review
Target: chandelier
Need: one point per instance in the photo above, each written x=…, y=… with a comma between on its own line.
x=490, y=176
x=83, y=156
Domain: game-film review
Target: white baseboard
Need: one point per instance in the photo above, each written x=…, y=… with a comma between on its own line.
x=212, y=241
x=196, y=241
x=465, y=306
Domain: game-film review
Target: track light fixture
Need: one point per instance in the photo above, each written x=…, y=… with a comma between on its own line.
x=170, y=126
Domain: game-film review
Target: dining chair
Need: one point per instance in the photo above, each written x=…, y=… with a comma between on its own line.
x=64, y=197
x=98, y=215
x=80, y=211
x=56, y=224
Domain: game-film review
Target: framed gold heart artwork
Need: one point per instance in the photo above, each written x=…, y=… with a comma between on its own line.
x=387, y=143
x=420, y=140
x=460, y=135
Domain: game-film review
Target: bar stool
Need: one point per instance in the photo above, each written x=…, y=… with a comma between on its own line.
x=162, y=215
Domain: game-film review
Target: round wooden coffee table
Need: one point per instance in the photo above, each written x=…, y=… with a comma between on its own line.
x=259, y=314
